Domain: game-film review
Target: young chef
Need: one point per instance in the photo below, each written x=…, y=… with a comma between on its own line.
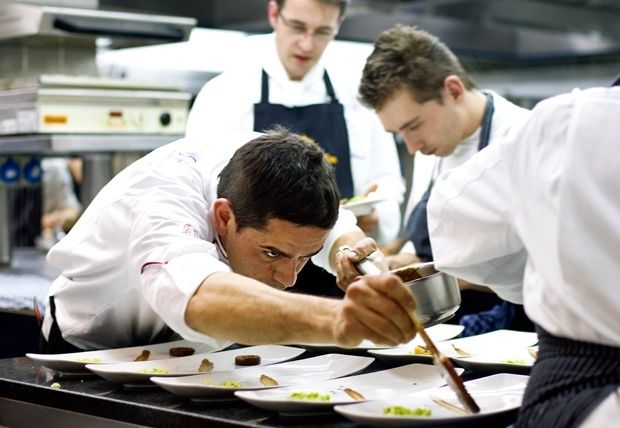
x=188, y=240
x=420, y=90
x=282, y=79
x=522, y=214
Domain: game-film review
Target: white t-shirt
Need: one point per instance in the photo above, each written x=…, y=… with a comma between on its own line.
x=142, y=248
x=226, y=104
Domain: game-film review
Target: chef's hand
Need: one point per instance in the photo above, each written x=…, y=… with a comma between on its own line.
x=375, y=308
x=368, y=223
x=346, y=260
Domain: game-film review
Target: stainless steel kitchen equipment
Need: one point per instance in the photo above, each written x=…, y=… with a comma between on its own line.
x=437, y=294
x=82, y=104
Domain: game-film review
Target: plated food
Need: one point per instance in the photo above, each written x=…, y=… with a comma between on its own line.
x=139, y=372
x=76, y=361
x=497, y=395
x=211, y=386
x=362, y=205
x=320, y=397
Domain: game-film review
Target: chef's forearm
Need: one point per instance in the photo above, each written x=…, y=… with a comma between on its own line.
x=234, y=307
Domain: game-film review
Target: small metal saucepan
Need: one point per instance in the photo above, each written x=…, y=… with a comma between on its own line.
x=437, y=293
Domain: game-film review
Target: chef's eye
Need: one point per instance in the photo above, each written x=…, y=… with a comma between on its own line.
x=414, y=127
x=272, y=254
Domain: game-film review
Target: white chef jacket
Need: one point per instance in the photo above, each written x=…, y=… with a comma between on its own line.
x=541, y=210
x=226, y=103
x=428, y=167
x=142, y=248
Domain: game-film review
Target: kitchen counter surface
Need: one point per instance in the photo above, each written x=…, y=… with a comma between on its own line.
x=25, y=386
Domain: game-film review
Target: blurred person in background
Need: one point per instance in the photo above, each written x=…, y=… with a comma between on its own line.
x=420, y=91
x=282, y=79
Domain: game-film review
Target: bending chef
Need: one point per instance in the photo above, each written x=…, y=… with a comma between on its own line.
x=200, y=242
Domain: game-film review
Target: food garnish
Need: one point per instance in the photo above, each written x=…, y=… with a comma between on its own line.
x=230, y=384
x=55, y=385
x=514, y=361
x=268, y=381
x=421, y=350
x=354, y=394
x=89, y=360
x=155, y=370
x=181, y=351
x=461, y=352
x=533, y=353
x=205, y=366
x=405, y=411
x=247, y=360
x=312, y=396
x=143, y=356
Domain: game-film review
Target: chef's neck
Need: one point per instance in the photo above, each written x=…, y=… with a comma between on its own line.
x=475, y=103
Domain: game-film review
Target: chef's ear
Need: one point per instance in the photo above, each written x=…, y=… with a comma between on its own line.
x=222, y=216
x=272, y=13
x=454, y=88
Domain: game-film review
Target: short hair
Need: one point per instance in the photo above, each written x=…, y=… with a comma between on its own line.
x=407, y=57
x=280, y=175
x=341, y=3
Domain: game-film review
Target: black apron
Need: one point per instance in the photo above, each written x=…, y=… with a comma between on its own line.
x=325, y=124
x=569, y=379
x=416, y=229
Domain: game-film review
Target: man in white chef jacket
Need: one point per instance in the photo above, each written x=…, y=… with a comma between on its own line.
x=539, y=211
x=193, y=241
x=421, y=92
x=283, y=79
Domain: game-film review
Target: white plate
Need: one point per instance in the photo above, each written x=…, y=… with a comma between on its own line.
x=505, y=360
x=327, y=366
x=372, y=386
x=363, y=205
x=76, y=361
x=403, y=354
x=496, y=395
x=141, y=371
x=482, y=344
x=438, y=333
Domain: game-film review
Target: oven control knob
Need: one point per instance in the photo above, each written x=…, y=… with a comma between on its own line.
x=165, y=119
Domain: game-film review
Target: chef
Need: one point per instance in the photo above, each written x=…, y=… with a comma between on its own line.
x=540, y=211
x=282, y=79
x=420, y=91
x=196, y=242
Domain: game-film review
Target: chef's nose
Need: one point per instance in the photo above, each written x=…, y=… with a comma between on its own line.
x=286, y=273
x=412, y=143
x=307, y=41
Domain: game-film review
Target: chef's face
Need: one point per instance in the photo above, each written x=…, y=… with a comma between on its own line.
x=303, y=29
x=432, y=128
x=273, y=255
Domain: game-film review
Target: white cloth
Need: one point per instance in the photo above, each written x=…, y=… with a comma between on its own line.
x=541, y=210
x=226, y=103
x=505, y=116
x=142, y=248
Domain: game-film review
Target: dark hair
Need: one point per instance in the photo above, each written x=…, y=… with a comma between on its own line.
x=280, y=175
x=341, y=3
x=407, y=57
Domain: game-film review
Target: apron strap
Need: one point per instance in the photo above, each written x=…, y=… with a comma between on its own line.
x=264, y=97
x=329, y=88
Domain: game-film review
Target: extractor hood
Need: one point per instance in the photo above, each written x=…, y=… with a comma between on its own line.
x=46, y=24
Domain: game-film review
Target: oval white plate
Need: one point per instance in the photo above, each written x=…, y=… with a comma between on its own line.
x=76, y=361
x=372, y=386
x=142, y=371
x=308, y=370
x=364, y=205
x=496, y=395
